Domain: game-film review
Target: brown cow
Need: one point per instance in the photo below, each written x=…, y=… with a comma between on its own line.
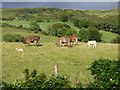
x=31, y=39
x=74, y=38
x=63, y=40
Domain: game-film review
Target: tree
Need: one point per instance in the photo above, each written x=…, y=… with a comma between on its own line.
x=76, y=22
x=83, y=23
x=35, y=27
x=116, y=40
x=94, y=34
x=64, y=18
x=83, y=35
x=61, y=30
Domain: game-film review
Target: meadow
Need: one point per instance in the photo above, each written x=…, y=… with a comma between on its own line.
x=44, y=57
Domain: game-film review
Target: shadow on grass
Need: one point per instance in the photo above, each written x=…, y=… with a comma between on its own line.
x=35, y=45
x=65, y=46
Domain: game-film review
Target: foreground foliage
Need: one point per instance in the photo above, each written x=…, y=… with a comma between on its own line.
x=13, y=38
x=106, y=74
x=34, y=81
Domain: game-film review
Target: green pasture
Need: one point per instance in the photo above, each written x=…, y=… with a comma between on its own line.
x=44, y=57
x=103, y=13
x=44, y=25
x=108, y=36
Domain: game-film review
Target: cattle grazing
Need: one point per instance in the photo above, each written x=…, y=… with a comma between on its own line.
x=63, y=40
x=31, y=39
x=74, y=38
x=91, y=43
x=19, y=49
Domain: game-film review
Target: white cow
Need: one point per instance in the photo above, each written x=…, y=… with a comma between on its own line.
x=91, y=43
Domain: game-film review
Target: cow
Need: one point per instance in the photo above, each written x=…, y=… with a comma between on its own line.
x=63, y=40
x=31, y=39
x=91, y=43
x=19, y=49
x=74, y=38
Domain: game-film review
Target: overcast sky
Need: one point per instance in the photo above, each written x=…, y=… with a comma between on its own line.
x=60, y=0
x=63, y=5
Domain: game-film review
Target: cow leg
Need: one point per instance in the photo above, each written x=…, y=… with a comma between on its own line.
x=28, y=44
x=60, y=43
x=38, y=42
x=63, y=45
x=69, y=43
x=94, y=46
x=76, y=41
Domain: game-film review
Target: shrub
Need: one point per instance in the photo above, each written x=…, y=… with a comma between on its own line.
x=64, y=18
x=83, y=35
x=94, y=34
x=104, y=41
x=35, y=27
x=36, y=31
x=106, y=74
x=60, y=30
x=34, y=81
x=91, y=33
x=8, y=38
x=45, y=33
x=116, y=40
x=76, y=22
x=83, y=23
x=13, y=38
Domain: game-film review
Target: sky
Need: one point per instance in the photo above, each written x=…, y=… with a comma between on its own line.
x=63, y=5
x=60, y=0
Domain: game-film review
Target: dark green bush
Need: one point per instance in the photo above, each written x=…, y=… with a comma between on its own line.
x=60, y=30
x=64, y=18
x=83, y=35
x=94, y=34
x=36, y=31
x=13, y=38
x=9, y=38
x=116, y=40
x=91, y=33
x=106, y=74
x=83, y=23
x=45, y=33
x=35, y=27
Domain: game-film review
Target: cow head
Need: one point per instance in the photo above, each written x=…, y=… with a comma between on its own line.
x=56, y=43
x=24, y=42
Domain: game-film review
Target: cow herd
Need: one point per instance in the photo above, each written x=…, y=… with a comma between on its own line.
x=62, y=41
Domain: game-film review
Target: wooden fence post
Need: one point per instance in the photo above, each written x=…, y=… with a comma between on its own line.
x=76, y=78
x=56, y=70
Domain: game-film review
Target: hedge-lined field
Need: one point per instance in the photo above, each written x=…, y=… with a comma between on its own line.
x=43, y=58
x=22, y=22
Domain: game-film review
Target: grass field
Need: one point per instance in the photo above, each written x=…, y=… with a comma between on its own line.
x=43, y=58
x=108, y=36
x=44, y=25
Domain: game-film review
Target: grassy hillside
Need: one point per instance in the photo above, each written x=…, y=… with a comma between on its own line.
x=44, y=25
x=53, y=14
x=108, y=36
x=43, y=58
x=103, y=13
